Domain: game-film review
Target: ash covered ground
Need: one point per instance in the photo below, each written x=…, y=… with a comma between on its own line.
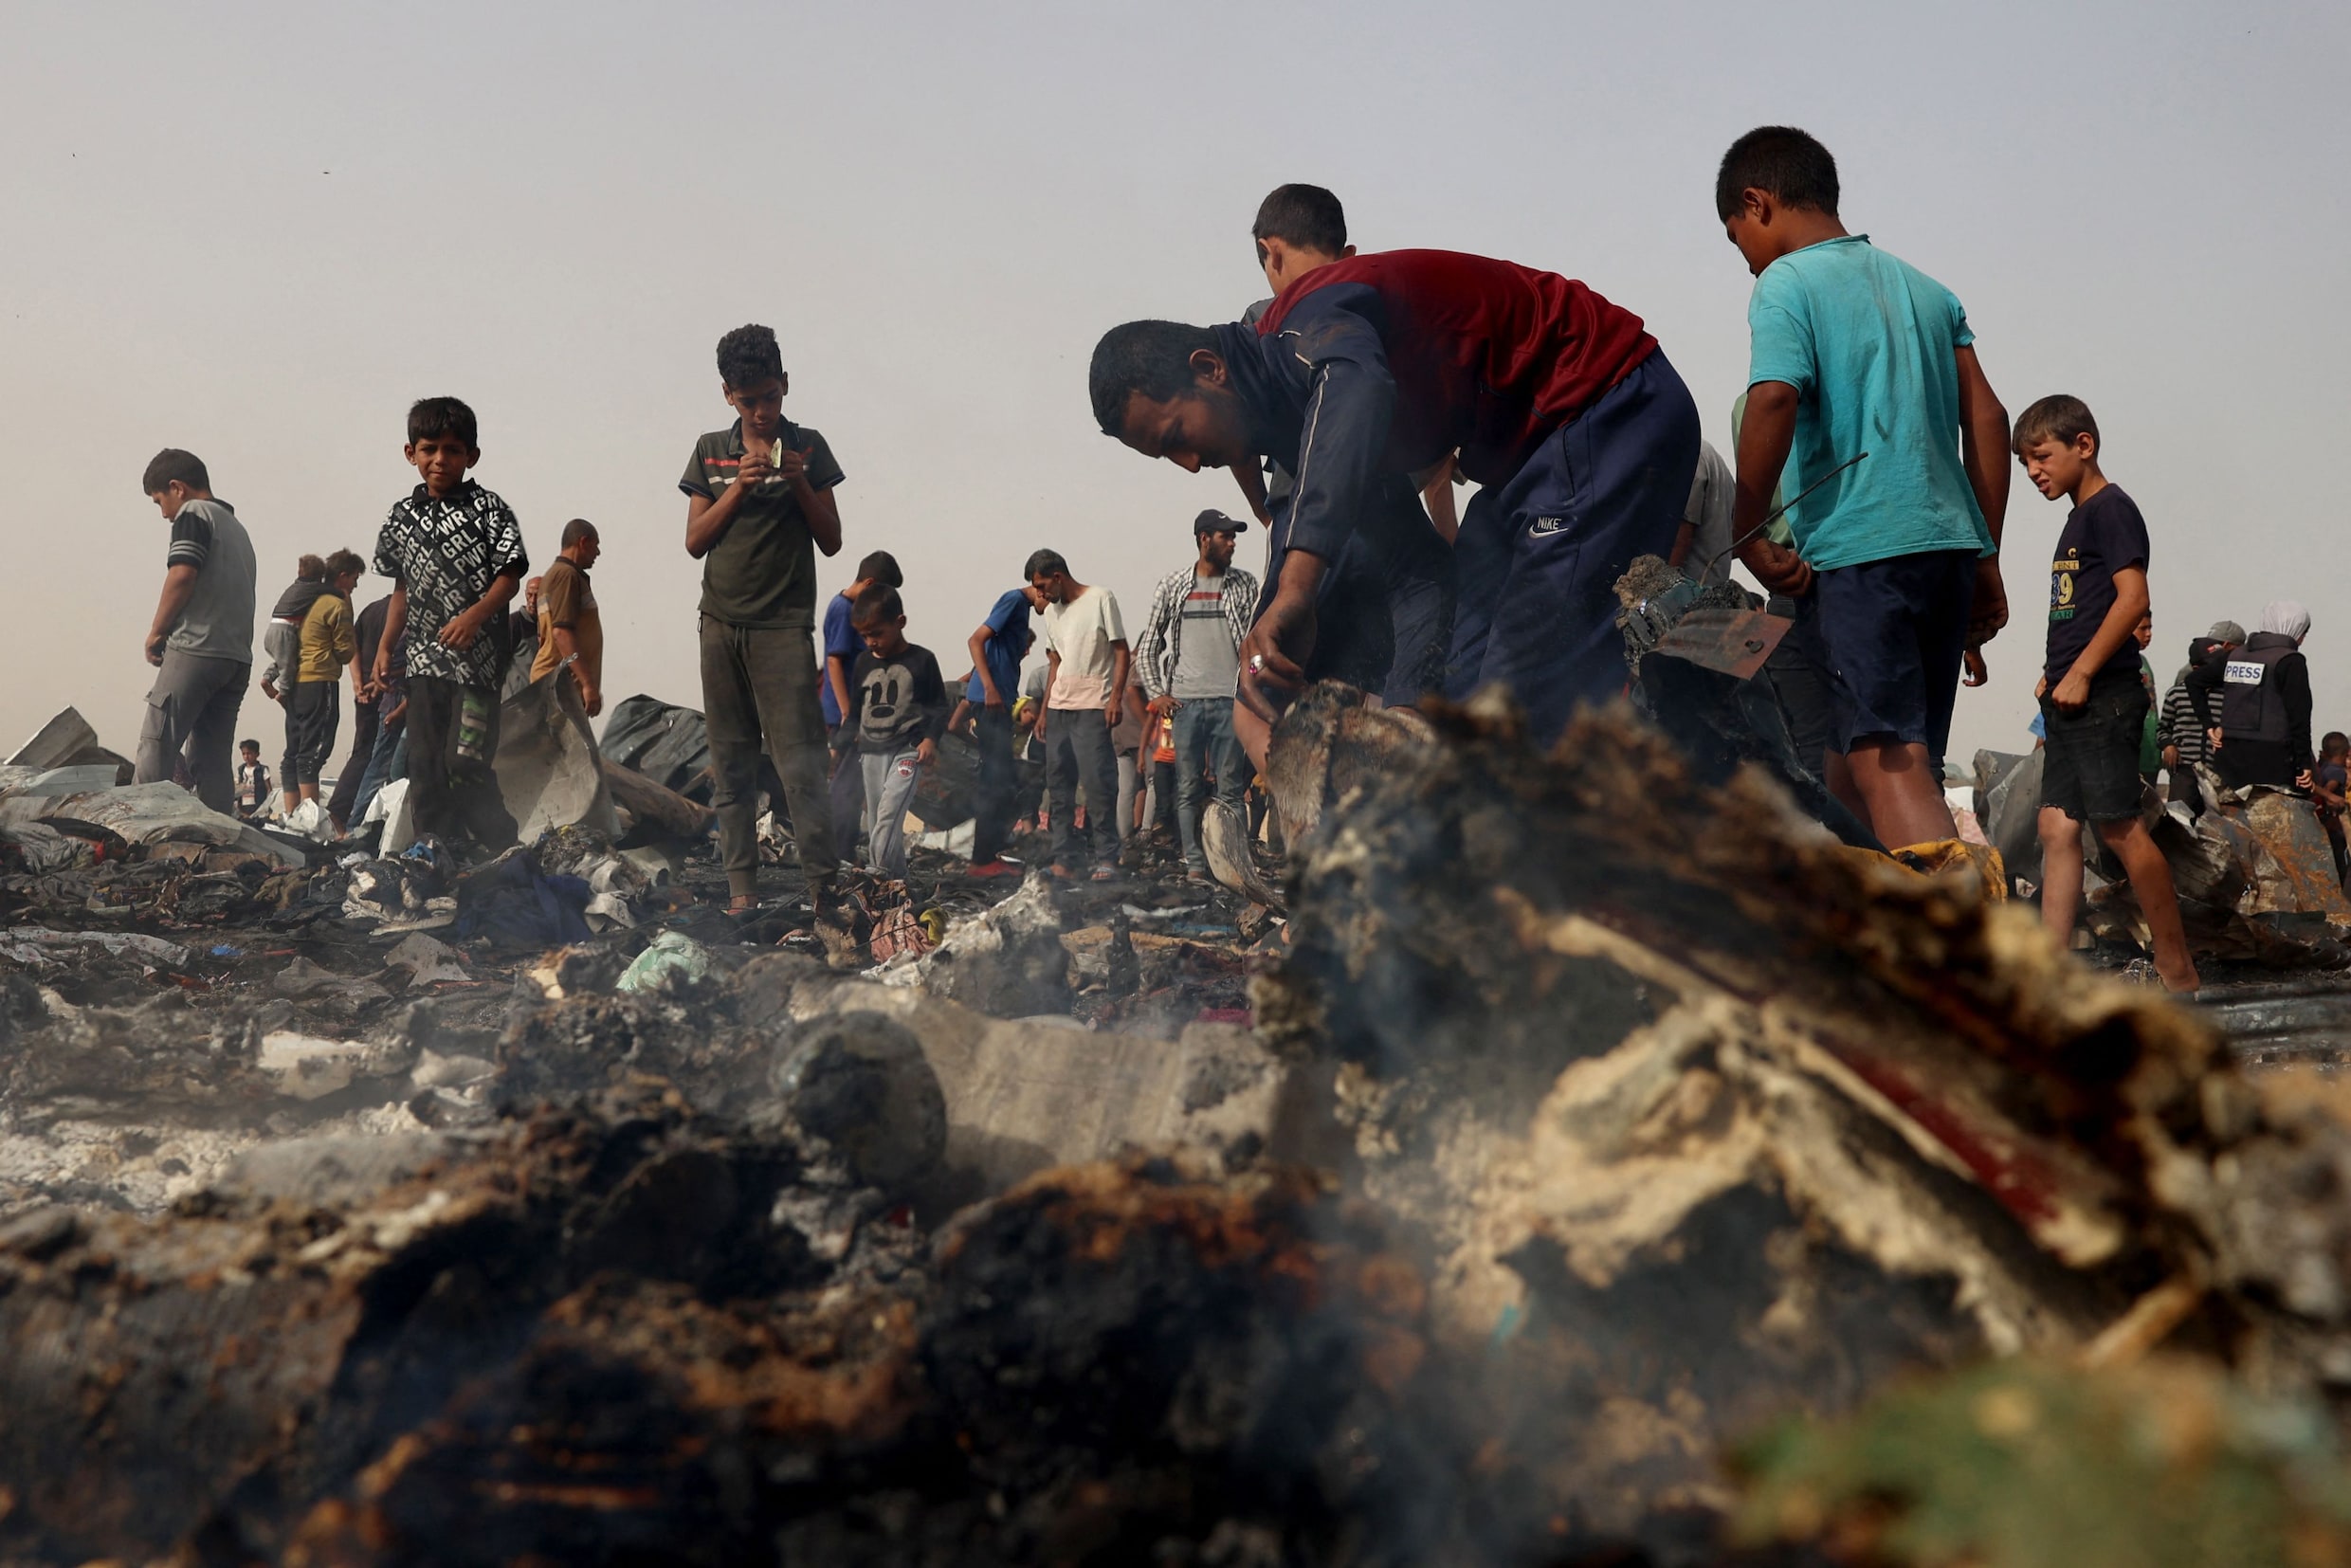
x=1585, y=1170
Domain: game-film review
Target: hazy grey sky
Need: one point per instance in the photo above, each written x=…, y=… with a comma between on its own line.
x=259, y=231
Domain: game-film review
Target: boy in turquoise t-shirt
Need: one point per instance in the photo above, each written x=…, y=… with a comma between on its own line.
x=1856, y=352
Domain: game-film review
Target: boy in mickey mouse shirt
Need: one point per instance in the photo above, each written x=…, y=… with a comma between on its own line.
x=898, y=710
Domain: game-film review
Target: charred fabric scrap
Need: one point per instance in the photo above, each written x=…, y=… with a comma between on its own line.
x=1662, y=1116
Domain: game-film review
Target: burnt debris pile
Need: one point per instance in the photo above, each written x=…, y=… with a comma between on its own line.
x=1588, y=1118
x=601, y=1334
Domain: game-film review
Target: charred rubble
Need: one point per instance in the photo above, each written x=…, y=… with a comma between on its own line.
x=1592, y=1113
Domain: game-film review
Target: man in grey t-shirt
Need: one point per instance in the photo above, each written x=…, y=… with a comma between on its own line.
x=201, y=640
x=1190, y=658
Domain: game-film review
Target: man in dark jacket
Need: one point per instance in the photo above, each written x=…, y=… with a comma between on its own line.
x=2260, y=728
x=1563, y=410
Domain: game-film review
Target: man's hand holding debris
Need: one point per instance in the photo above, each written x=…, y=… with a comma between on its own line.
x=1766, y=432
x=1779, y=569
x=1273, y=656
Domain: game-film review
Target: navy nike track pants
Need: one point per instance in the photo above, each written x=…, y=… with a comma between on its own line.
x=1538, y=558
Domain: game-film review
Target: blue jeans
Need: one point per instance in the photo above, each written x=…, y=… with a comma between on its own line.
x=1203, y=734
x=1537, y=556
x=387, y=763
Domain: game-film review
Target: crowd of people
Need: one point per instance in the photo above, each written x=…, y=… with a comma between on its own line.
x=1868, y=494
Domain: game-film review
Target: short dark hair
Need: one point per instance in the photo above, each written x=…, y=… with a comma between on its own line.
x=2334, y=740
x=440, y=418
x=310, y=569
x=576, y=530
x=1789, y=163
x=749, y=356
x=342, y=561
x=2060, y=417
x=1043, y=563
x=171, y=463
x=248, y=745
x=877, y=604
x=1150, y=357
x=1305, y=216
x=881, y=567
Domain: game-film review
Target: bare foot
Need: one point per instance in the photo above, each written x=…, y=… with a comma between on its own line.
x=742, y=903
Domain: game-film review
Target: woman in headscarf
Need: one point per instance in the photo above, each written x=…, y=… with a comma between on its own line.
x=2260, y=726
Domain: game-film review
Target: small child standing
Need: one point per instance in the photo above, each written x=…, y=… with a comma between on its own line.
x=2093, y=701
x=898, y=710
x=455, y=554
x=252, y=780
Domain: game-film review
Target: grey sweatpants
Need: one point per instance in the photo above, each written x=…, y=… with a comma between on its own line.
x=890, y=778
x=1078, y=751
x=192, y=710
x=761, y=682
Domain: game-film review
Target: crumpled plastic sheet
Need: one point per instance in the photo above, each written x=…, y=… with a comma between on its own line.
x=39, y=945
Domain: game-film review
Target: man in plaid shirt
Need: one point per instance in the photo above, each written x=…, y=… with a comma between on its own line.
x=1190, y=657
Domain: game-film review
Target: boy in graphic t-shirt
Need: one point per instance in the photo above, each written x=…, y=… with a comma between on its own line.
x=455, y=554
x=2094, y=703
x=898, y=710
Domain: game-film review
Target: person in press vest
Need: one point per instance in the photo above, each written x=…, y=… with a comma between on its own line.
x=2259, y=727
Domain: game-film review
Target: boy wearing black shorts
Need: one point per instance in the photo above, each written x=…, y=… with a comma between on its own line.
x=2093, y=703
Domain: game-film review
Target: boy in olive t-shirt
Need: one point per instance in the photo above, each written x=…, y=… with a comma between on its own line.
x=759, y=504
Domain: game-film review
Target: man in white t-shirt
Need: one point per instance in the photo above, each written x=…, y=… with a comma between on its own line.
x=1086, y=661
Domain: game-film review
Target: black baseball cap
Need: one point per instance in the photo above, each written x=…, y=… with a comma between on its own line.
x=1213, y=521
